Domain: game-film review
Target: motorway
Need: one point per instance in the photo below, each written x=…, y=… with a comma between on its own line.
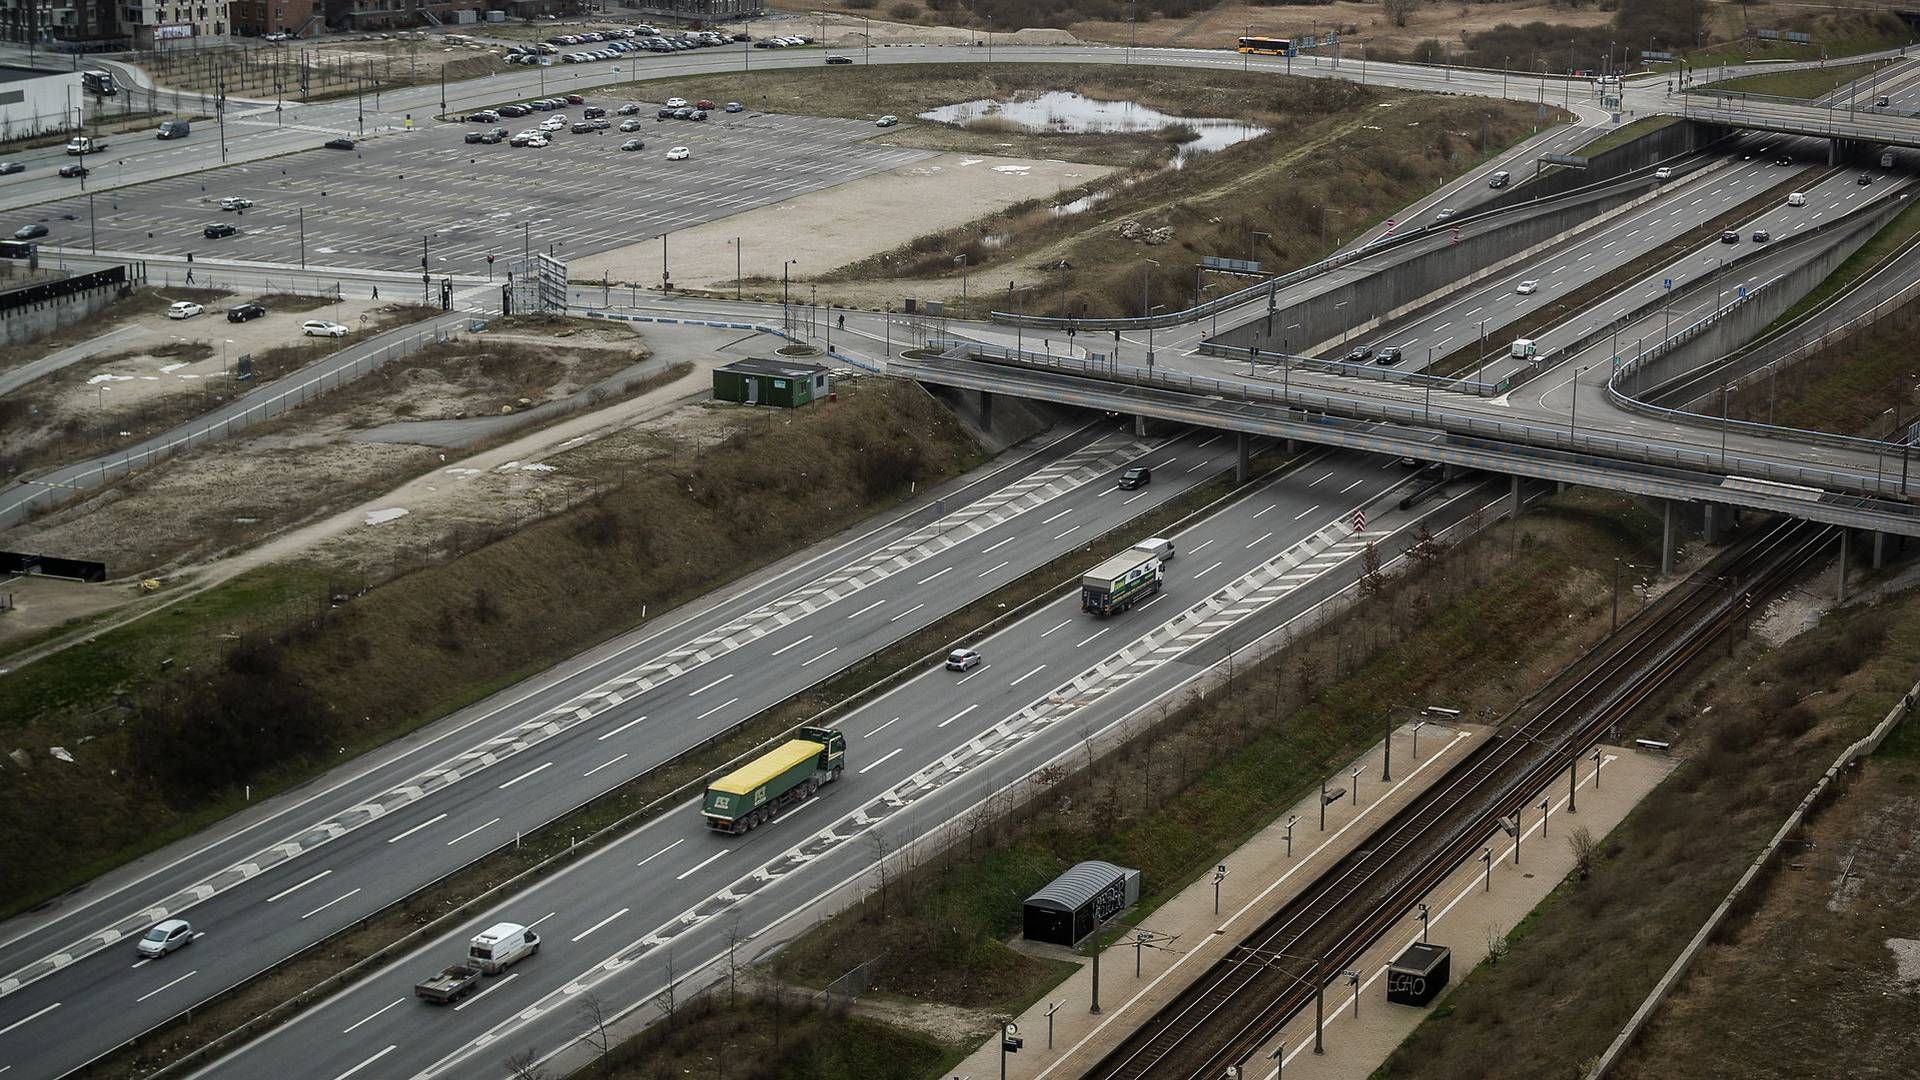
x=535, y=752
x=320, y=860
x=918, y=756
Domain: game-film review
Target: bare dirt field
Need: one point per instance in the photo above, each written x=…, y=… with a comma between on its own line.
x=849, y=222
x=237, y=494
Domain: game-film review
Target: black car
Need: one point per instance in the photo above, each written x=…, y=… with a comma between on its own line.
x=593, y=111
x=1137, y=477
x=495, y=135
x=581, y=127
x=1863, y=179
x=484, y=116
x=1730, y=237
x=634, y=144
x=514, y=110
x=30, y=232
x=839, y=59
x=1359, y=354
x=8, y=168
x=73, y=170
x=628, y=109
x=1761, y=236
x=340, y=144
x=666, y=114
x=215, y=232
x=476, y=136
x=243, y=312
x=697, y=114
x=683, y=114
x=1389, y=355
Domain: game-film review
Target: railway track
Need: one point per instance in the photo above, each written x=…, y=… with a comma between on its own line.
x=1243, y=1001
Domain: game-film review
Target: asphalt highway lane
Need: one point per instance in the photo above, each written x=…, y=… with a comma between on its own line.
x=916, y=757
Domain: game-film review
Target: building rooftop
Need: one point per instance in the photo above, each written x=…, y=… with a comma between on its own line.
x=15, y=73
x=779, y=368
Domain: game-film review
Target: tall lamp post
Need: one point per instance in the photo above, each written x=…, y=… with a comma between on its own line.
x=960, y=260
x=786, y=312
x=736, y=268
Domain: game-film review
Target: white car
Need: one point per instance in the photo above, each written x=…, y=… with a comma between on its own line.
x=679, y=153
x=676, y=103
x=553, y=123
x=963, y=659
x=1527, y=288
x=1663, y=173
x=183, y=309
x=539, y=141
x=235, y=202
x=322, y=328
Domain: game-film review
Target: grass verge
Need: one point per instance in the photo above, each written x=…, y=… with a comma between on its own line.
x=1804, y=83
x=1626, y=133
x=1865, y=384
x=464, y=621
x=1754, y=732
x=776, y=1038
x=1208, y=772
x=324, y=968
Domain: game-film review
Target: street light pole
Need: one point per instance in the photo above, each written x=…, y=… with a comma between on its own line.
x=736, y=268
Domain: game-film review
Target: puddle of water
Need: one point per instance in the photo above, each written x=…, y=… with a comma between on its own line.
x=1070, y=113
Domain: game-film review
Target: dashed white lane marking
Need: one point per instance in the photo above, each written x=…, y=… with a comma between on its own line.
x=376, y=1057
x=881, y=728
x=430, y=821
x=600, y=924
x=603, y=765
x=487, y=991
x=29, y=1018
x=471, y=831
x=169, y=985
x=291, y=889
x=697, y=867
x=620, y=729
x=349, y=1028
x=661, y=852
x=330, y=903
x=536, y=770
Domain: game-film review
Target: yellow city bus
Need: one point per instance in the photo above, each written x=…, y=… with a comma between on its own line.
x=1266, y=46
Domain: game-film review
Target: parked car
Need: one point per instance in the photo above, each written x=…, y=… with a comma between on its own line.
x=600, y=123
x=1527, y=288
x=703, y=103
x=679, y=153
x=476, y=136
x=215, y=232
x=575, y=99
x=339, y=144
x=593, y=111
x=581, y=127
x=73, y=170
x=665, y=113
x=484, y=116
x=494, y=135
x=683, y=113
x=539, y=141
x=183, y=309
x=630, y=125
x=734, y=106
x=963, y=659
x=164, y=938
x=886, y=121
x=839, y=59
x=244, y=312
x=697, y=114
x=675, y=103
x=30, y=232
x=634, y=144
x=322, y=328
x=628, y=109
x=235, y=202
x=1137, y=477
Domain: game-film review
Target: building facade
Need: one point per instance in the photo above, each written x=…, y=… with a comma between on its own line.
x=403, y=14
x=47, y=21
x=35, y=102
x=256, y=18
x=175, y=24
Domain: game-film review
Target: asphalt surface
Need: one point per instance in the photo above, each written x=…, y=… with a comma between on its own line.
x=535, y=753
x=669, y=892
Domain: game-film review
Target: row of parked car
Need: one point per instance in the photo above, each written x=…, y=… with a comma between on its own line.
x=611, y=44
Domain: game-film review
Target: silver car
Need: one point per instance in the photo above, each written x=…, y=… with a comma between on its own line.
x=164, y=938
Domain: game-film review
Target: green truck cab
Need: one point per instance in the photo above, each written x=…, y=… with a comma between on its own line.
x=1121, y=582
x=758, y=791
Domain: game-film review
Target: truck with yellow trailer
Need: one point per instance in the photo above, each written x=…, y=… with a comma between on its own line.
x=756, y=793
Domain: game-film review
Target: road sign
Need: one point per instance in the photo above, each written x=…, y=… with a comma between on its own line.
x=1743, y=292
x=1571, y=161
x=1666, y=283
x=1360, y=520
x=1231, y=266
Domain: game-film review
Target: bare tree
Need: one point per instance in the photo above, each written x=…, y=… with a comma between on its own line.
x=665, y=1002
x=594, y=1012
x=1399, y=10
x=877, y=843
x=734, y=937
x=523, y=1066
x=1372, y=581
x=1584, y=848
x=1497, y=947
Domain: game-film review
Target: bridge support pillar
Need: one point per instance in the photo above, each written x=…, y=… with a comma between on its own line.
x=1833, y=151
x=1293, y=447
x=1243, y=463
x=1713, y=524
x=1140, y=425
x=986, y=410
x=1515, y=496
x=1666, y=538
x=1846, y=550
x=1879, y=550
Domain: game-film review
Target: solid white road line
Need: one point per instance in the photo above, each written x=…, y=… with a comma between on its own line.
x=175, y=982
x=470, y=832
x=881, y=728
x=795, y=645
x=661, y=852
x=906, y=613
x=328, y=904
x=364, y=1019
x=487, y=991
x=620, y=729
x=415, y=829
x=603, y=765
x=294, y=888
x=600, y=924
x=369, y=1061
x=876, y=763
x=716, y=708
x=33, y=1016
x=685, y=874
x=954, y=717
x=524, y=775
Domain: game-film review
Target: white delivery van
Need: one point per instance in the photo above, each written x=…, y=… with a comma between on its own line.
x=1798, y=198
x=1523, y=349
x=1159, y=547
x=497, y=947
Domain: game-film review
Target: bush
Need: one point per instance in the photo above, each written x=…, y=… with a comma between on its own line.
x=207, y=735
x=905, y=12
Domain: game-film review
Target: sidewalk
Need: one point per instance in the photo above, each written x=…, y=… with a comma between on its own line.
x=1261, y=879
x=1469, y=907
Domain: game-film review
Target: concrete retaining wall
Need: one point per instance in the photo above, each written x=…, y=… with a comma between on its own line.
x=1361, y=304
x=1668, y=142
x=35, y=321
